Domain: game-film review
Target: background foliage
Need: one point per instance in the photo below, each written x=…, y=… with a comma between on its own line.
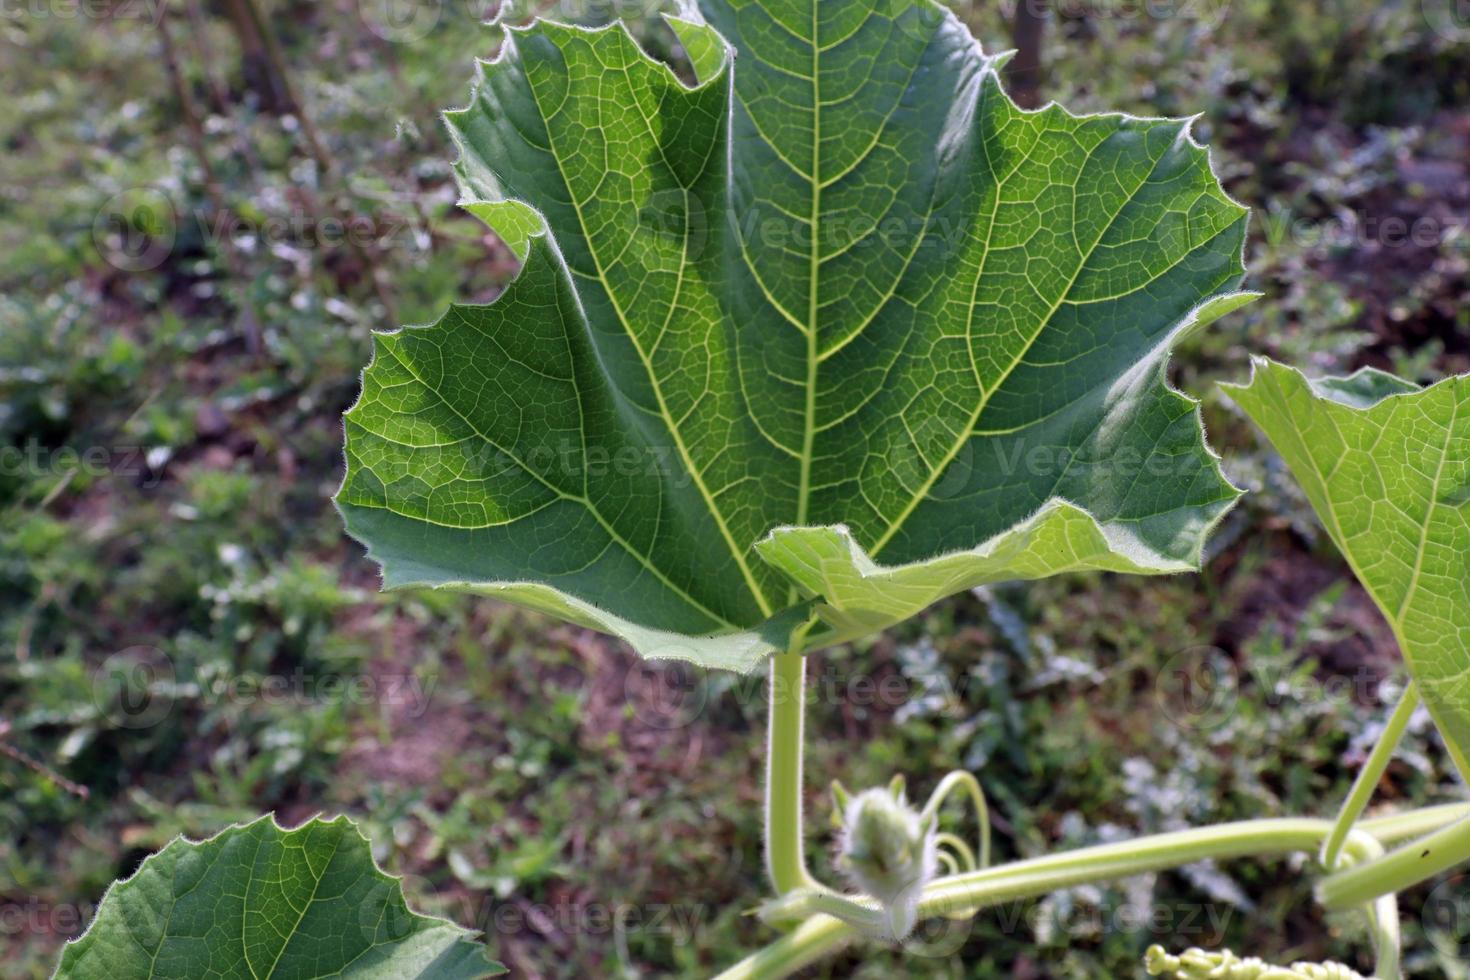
x=187, y=637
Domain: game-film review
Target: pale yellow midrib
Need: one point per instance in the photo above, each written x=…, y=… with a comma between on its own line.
x=315, y=885
x=694, y=473
x=813, y=362
x=1449, y=435
x=585, y=501
x=1334, y=528
x=937, y=471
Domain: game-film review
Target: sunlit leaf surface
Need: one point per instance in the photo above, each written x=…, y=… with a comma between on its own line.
x=257, y=902
x=1386, y=466
x=799, y=350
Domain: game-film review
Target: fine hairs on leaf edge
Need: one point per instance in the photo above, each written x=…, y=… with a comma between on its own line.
x=492, y=968
x=600, y=616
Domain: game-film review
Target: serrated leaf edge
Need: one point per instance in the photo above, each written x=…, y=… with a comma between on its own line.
x=397, y=880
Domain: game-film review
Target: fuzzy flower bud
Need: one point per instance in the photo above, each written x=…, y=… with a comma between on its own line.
x=889, y=851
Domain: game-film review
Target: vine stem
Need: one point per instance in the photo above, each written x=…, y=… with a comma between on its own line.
x=821, y=934
x=1368, y=778
x=1415, y=862
x=1382, y=914
x=785, y=843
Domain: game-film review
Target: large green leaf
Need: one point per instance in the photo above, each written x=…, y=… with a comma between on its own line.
x=1386, y=467
x=797, y=351
x=258, y=902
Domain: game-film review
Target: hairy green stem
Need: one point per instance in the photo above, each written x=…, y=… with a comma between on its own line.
x=810, y=942
x=819, y=935
x=1398, y=827
x=1367, y=781
x=1027, y=879
x=1383, y=914
x=1383, y=921
x=785, y=846
x=1415, y=862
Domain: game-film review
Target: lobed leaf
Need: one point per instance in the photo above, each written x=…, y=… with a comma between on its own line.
x=803, y=348
x=1386, y=466
x=258, y=901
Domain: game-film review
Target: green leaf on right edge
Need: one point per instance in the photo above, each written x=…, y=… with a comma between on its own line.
x=1386, y=466
x=799, y=350
x=256, y=902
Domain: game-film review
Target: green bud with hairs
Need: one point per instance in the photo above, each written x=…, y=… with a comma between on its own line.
x=888, y=850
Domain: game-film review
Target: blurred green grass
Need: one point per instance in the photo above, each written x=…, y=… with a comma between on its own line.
x=165, y=521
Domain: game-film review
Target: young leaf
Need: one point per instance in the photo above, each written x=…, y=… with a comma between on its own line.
x=797, y=351
x=257, y=901
x=1386, y=467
